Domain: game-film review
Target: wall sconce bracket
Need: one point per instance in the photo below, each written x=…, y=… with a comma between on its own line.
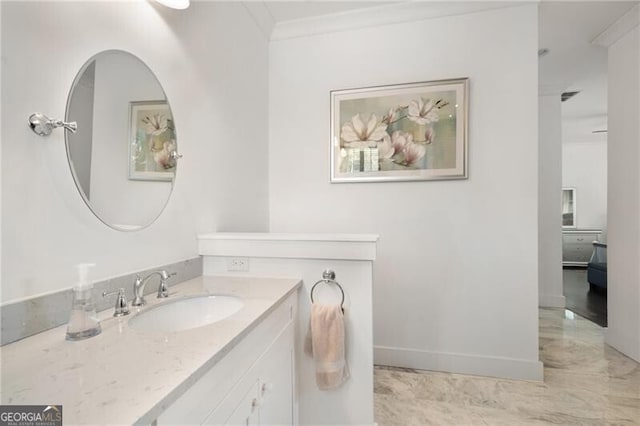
x=43, y=125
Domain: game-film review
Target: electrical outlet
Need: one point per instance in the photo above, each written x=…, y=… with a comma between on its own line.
x=238, y=264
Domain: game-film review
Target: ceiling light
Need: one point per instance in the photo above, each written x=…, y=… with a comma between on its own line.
x=565, y=96
x=175, y=4
x=542, y=52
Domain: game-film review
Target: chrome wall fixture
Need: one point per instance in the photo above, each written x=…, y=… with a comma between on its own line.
x=43, y=125
x=329, y=277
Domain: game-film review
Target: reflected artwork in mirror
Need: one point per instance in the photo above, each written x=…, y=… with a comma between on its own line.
x=123, y=155
x=568, y=207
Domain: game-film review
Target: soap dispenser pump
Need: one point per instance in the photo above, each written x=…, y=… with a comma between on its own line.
x=83, y=321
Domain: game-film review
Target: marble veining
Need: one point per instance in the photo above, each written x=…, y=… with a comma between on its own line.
x=122, y=376
x=585, y=383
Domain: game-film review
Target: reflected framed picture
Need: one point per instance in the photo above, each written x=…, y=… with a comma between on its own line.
x=403, y=132
x=152, y=139
x=569, y=208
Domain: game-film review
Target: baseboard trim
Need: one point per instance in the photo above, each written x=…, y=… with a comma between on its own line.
x=552, y=301
x=507, y=368
x=622, y=342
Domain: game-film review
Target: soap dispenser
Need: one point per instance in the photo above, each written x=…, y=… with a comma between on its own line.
x=83, y=321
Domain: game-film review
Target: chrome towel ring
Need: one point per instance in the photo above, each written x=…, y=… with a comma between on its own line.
x=329, y=277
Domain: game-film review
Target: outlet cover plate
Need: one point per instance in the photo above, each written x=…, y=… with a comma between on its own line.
x=238, y=264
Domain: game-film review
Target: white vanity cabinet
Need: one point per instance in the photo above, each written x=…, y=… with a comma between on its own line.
x=276, y=382
x=253, y=384
x=264, y=396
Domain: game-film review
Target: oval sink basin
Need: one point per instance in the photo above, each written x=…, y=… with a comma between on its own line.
x=186, y=313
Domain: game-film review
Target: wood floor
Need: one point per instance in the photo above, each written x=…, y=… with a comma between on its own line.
x=591, y=305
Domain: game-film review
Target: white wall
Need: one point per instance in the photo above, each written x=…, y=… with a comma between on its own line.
x=549, y=202
x=456, y=280
x=351, y=257
x=584, y=167
x=623, y=202
x=218, y=93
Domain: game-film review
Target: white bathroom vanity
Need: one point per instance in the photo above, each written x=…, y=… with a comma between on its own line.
x=239, y=368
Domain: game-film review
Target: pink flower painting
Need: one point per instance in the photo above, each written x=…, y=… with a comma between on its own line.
x=414, y=131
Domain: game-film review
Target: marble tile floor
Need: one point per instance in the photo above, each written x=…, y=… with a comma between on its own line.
x=585, y=383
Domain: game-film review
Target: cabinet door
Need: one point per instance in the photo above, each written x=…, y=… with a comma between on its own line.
x=247, y=411
x=276, y=381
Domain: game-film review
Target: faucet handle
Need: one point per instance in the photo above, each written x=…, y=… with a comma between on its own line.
x=165, y=275
x=121, y=308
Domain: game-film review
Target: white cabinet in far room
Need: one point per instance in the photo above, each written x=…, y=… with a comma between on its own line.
x=577, y=246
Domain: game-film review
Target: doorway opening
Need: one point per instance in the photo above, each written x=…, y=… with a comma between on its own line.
x=574, y=67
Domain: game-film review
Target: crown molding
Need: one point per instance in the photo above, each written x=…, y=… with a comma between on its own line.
x=382, y=15
x=261, y=16
x=618, y=29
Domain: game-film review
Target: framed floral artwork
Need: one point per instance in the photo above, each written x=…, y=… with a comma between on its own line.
x=403, y=132
x=153, y=141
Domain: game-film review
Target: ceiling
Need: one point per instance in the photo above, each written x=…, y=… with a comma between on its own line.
x=566, y=28
x=573, y=63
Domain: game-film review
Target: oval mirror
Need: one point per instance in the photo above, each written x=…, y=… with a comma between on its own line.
x=123, y=155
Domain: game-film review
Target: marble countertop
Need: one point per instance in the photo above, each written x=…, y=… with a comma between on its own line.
x=123, y=376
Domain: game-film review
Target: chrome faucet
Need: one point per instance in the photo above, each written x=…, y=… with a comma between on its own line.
x=139, y=284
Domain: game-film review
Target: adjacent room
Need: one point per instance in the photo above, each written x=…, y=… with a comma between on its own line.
x=573, y=68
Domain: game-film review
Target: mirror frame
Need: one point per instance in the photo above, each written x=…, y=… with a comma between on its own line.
x=76, y=181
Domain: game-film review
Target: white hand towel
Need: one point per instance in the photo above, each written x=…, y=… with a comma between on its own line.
x=325, y=342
